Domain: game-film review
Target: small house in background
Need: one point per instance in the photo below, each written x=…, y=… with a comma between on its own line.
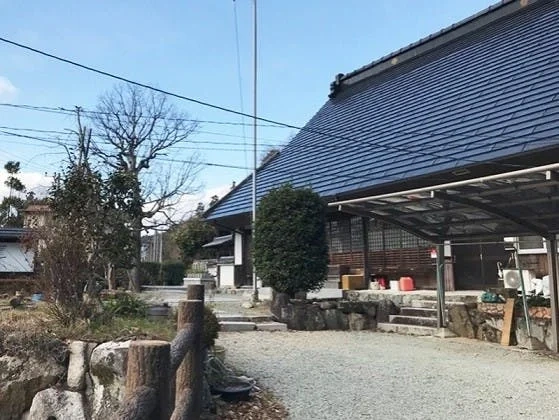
x=15, y=258
x=36, y=215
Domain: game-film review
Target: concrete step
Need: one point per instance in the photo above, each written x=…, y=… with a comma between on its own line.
x=237, y=326
x=426, y=312
x=406, y=329
x=243, y=318
x=413, y=320
x=432, y=304
x=271, y=326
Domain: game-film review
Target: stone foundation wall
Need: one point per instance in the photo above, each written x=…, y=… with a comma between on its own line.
x=331, y=314
x=484, y=321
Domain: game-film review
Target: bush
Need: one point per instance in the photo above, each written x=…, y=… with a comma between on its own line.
x=125, y=304
x=211, y=327
x=290, y=247
x=172, y=273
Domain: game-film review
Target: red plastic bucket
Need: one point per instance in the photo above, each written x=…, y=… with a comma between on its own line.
x=406, y=284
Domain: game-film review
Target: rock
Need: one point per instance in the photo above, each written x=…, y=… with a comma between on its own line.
x=314, y=321
x=351, y=307
x=21, y=379
x=343, y=321
x=332, y=319
x=358, y=322
x=78, y=365
x=279, y=301
x=538, y=334
x=459, y=321
x=386, y=308
x=296, y=314
x=325, y=305
x=16, y=301
x=107, y=369
x=247, y=305
x=495, y=323
x=58, y=404
x=370, y=308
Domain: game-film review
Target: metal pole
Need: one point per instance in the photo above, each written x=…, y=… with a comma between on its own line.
x=553, y=278
x=440, y=287
x=254, y=127
x=365, y=230
x=523, y=288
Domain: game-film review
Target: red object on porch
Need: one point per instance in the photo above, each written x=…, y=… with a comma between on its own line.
x=406, y=284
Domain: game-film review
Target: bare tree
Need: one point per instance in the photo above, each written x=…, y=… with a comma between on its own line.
x=138, y=128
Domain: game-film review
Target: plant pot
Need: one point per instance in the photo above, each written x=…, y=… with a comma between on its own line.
x=219, y=352
x=158, y=312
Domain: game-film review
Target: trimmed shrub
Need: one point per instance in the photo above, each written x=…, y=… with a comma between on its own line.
x=211, y=327
x=290, y=247
x=172, y=273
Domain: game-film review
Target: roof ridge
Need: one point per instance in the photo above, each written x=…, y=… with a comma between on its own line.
x=429, y=43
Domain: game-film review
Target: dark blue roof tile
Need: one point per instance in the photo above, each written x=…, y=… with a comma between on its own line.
x=487, y=95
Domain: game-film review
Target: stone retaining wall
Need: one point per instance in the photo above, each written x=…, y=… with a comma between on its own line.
x=484, y=321
x=330, y=314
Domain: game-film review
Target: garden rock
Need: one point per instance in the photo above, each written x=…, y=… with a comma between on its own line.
x=279, y=302
x=108, y=374
x=459, y=321
x=58, y=404
x=386, y=308
x=314, y=320
x=327, y=305
x=79, y=364
x=21, y=379
x=358, y=322
x=331, y=319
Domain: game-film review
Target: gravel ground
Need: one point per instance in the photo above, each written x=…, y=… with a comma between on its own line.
x=365, y=375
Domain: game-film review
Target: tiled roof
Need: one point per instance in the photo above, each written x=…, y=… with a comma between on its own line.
x=489, y=94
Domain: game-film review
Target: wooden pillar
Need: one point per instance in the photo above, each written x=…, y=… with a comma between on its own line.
x=195, y=292
x=147, y=377
x=553, y=290
x=440, y=287
x=366, y=270
x=190, y=374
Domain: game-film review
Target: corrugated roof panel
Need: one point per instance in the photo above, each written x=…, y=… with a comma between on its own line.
x=484, y=96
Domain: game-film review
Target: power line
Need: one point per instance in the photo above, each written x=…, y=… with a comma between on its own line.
x=232, y=111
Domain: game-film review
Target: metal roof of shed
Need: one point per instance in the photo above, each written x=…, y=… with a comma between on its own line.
x=524, y=202
x=486, y=95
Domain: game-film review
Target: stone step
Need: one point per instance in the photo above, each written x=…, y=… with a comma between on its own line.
x=237, y=326
x=425, y=312
x=413, y=320
x=271, y=326
x=432, y=304
x=406, y=329
x=243, y=318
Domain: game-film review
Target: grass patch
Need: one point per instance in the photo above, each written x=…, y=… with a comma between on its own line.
x=35, y=332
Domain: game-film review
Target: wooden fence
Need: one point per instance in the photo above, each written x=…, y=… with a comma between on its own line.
x=165, y=380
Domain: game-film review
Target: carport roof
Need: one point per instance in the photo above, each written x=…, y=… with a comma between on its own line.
x=523, y=202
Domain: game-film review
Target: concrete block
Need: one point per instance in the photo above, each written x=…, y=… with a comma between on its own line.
x=271, y=326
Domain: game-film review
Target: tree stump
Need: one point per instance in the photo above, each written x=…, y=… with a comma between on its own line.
x=148, y=366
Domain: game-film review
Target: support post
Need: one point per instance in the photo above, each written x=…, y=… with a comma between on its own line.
x=366, y=271
x=190, y=374
x=553, y=290
x=440, y=287
x=148, y=380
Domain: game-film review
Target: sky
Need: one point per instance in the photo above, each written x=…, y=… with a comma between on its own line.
x=190, y=47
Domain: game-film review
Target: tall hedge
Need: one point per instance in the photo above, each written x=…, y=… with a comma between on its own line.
x=290, y=247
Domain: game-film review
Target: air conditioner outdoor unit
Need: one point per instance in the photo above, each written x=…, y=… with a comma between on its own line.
x=511, y=279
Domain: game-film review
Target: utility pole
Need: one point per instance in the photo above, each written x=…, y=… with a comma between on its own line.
x=255, y=162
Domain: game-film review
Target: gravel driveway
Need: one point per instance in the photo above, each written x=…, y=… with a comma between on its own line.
x=365, y=375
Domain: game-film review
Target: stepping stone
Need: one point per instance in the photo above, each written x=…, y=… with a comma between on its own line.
x=237, y=326
x=271, y=326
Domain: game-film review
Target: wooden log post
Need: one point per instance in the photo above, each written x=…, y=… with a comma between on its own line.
x=190, y=374
x=148, y=374
x=195, y=292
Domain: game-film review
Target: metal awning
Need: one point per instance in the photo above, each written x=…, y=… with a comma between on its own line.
x=517, y=203
x=523, y=202
x=218, y=240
